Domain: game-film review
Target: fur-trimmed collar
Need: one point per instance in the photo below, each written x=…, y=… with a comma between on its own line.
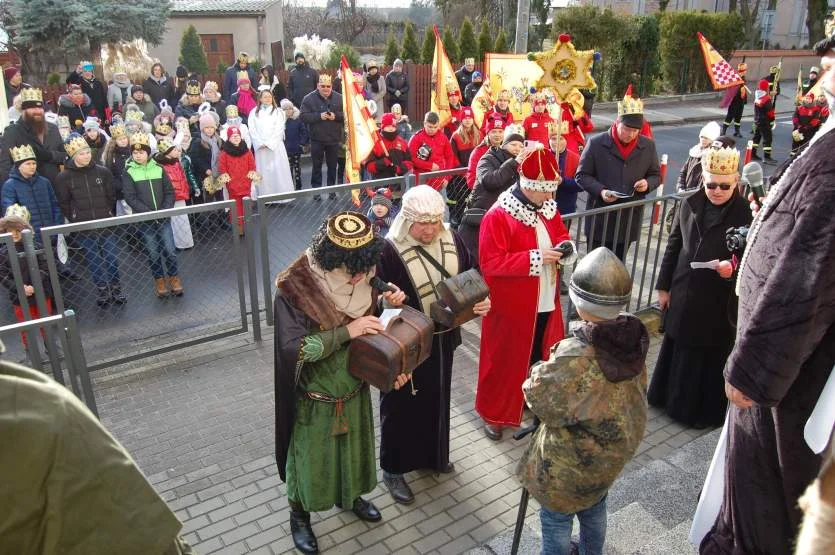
x=526, y=213
x=298, y=284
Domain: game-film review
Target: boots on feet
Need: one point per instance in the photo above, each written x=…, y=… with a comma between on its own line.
x=161, y=288
x=102, y=295
x=176, y=286
x=302, y=532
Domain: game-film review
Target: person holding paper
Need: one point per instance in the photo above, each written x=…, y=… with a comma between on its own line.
x=421, y=251
x=785, y=347
x=687, y=383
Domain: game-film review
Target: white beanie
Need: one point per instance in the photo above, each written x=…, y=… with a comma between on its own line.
x=711, y=131
x=419, y=204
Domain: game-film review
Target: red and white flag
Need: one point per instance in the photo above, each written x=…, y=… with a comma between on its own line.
x=722, y=74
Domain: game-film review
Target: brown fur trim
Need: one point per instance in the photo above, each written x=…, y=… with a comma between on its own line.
x=298, y=284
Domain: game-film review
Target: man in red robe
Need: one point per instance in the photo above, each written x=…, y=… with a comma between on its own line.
x=519, y=261
x=578, y=127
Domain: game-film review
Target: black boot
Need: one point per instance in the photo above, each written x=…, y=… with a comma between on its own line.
x=724, y=128
x=366, y=510
x=399, y=489
x=116, y=294
x=302, y=532
x=103, y=295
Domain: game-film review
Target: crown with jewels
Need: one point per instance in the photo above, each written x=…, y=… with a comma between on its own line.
x=193, y=88
x=34, y=97
x=557, y=128
x=22, y=152
x=721, y=161
x=164, y=145
x=118, y=130
x=325, y=79
x=75, y=144
x=630, y=105
x=829, y=25
x=140, y=139
x=134, y=116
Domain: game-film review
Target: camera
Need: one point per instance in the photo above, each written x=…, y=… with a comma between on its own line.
x=424, y=152
x=736, y=238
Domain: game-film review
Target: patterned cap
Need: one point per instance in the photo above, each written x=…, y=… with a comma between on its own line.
x=350, y=230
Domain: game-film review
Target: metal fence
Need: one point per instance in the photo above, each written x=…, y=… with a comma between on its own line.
x=196, y=244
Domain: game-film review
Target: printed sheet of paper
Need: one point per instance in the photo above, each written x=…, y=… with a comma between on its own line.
x=388, y=314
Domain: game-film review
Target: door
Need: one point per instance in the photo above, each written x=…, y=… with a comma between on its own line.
x=220, y=50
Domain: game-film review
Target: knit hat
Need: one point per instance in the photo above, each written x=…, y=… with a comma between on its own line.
x=298, y=54
x=513, y=133
x=495, y=123
x=476, y=75
x=207, y=119
x=181, y=72
x=87, y=66
x=136, y=88
x=420, y=204
x=232, y=130
x=382, y=196
x=286, y=104
x=763, y=85
x=210, y=86
x=466, y=112
x=387, y=120
x=600, y=284
x=710, y=131
x=397, y=62
x=540, y=171
x=92, y=122
x=10, y=72
x=396, y=109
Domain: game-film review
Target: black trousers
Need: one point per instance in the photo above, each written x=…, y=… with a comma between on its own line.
x=538, y=335
x=763, y=134
x=734, y=115
x=321, y=152
x=296, y=170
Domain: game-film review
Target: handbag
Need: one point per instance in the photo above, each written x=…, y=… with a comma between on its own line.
x=473, y=216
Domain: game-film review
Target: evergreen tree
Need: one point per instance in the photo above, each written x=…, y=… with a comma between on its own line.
x=501, y=43
x=467, y=46
x=339, y=50
x=411, y=50
x=485, y=42
x=451, y=46
x=392, y=50
x=192, y=56
x=427, y=49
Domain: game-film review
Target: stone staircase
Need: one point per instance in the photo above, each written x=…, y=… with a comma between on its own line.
x=650, y=509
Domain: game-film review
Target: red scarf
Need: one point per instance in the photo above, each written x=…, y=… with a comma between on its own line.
x=246, y=101
x=625, y=149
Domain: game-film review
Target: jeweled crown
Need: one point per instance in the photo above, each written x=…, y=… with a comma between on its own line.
x=22, y=152
x=721, y=161
x=630, y=105
x=325, y=79
x=31, y=95
x=118, y=130
x=75, y=144
x=193, y=88
x=557, y=128
x=140, y=139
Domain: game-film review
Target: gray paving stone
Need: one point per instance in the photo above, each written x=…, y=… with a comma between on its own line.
x=672, y=541
x=528, y=543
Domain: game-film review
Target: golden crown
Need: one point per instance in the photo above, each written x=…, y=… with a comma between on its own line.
x=133, y=115
x=558, y=128
x=504, y=95
x=31, y=95
x=469, y=61
x=118, y=130
x=721, y=161
x=829, y=25
x=350, y=230
x=210, y=85
x=231, y=111
x=630, y=105
x=75, y=145
x=193, y=88
x=325, y=79
x=22, y=152
x=63, y=121
x=140, y=139
x=164, y=145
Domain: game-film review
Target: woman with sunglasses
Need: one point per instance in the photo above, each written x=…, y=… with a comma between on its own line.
x=688, y=382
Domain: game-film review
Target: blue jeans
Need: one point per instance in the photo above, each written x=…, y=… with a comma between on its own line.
x=158, y=238
x=556, y=530
x=102, y=256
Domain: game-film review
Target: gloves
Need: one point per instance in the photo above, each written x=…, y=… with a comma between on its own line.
x=224, y=178
x=386, y=162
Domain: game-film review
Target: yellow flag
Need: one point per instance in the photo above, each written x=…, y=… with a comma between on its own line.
x=360, y=126
x=482, y=102
x=443, y=81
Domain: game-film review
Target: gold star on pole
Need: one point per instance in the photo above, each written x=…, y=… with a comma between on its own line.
x=564, y=68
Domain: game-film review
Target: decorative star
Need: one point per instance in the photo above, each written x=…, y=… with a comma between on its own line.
x=564, y=68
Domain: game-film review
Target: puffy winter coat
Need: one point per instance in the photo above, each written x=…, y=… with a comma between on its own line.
x=230, y=79
x=568, y=190
x=7, y=276
x=146, y=187
x=397, y=81
x=238, y=167
x=323, y=131
x=50, y=152
x=115, y=161
x=398, y=162
x=86, y=193
x=76, y=114
x=497, y=171
x=94, y=89
x=295, y=135
x=159, y=90
x=426, y=150
x=177, y=175
x=302, y=82
x=37, y=195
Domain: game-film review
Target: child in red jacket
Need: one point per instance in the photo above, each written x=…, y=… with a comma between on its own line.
x=236, y=167
x=168, y=156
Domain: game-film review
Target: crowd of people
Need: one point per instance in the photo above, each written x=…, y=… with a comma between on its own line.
x=126, y=148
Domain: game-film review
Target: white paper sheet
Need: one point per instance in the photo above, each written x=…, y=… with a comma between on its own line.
x=710, y=501
x=709, y=265
x=818, y=428
x=388, y=314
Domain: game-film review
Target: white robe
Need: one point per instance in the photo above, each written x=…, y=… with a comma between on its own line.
x=266, y=130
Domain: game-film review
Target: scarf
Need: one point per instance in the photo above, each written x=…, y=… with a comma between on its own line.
x=159, y=81
x=246, y=102
x=374, y=81
x=625, y=149
x=213, y=144
x=233, y=150
x=351, y=300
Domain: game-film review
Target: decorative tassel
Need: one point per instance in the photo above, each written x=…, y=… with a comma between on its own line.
x=340, y=423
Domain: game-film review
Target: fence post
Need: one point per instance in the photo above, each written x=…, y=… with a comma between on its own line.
x=249, y=242
x=79, y=361
x=14, y=262
x=265, y=263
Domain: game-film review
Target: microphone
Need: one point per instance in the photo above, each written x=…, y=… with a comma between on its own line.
x=381, y=285
x=752, y=175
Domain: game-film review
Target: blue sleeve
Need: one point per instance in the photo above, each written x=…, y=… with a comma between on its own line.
x=569, y=184
x=304, y=136
x=9, y=195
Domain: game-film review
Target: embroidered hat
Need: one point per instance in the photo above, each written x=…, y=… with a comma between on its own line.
x=540, y=171
x=350, y=230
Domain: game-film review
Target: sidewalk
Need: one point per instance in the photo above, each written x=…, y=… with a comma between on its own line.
x=200, y=423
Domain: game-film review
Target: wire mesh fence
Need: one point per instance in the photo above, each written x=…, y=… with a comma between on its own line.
x=148, y=283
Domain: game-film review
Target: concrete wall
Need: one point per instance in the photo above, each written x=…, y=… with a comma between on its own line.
x=243, y=29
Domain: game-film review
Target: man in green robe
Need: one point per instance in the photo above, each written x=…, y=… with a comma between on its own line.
x=68, y=486
x=324, y=423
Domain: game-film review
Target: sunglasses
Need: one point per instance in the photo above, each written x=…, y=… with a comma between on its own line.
x=723, y=186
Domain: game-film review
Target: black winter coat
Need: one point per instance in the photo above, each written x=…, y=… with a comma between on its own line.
x=50, y=153
x=159, y=91
x=496, y=172
x=602, y=167
x=7, y=276
x=397, y=82
x=302, y=82
x=464, y=78
x=690, y=176
x=116, y=164
x=699, y=299
x=323, y=131
x=86, y=193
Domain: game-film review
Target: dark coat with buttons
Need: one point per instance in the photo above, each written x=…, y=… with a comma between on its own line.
x=602, y=167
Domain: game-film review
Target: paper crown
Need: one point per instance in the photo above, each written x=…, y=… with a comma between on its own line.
x=22, y=153
x=557, y=128
x=117, y=131
x=165, y=145
x=539, y=99
x=540, y=171
x=140, y=141
x=193, y=87
x=231, y=111
x=133, y=116
x=242, y=76
x=63, y=121
x=18, y=211
x=243, y=57
x=504, y=95
x=162, y=127
x=325, y=79
x=210, y=86
x=469, y=61
x=75, y=144
x=829, y=25
x=630, y=105
x=31, y=98
x=720, y=161
x=350, y=230
x=741, y=67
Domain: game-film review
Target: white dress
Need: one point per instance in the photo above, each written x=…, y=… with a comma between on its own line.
x=266, y=129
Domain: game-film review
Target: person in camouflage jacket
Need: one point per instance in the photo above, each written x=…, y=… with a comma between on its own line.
x=590, y=399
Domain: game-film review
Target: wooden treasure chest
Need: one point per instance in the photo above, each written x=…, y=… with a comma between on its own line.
x=458, y=294
x=406, y=342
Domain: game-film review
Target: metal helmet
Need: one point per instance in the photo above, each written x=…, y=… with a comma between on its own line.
x=600, y=285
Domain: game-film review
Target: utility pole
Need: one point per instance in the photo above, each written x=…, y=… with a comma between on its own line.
x=523, y=20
